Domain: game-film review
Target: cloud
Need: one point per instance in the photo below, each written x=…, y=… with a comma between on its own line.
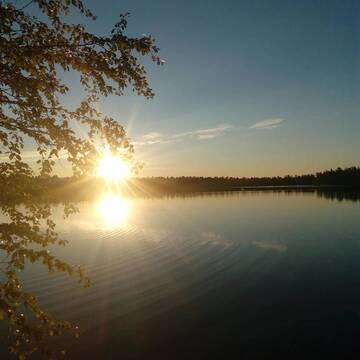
x=268, y=124
x=152, y=142
x=154, y=138
x=205, y=134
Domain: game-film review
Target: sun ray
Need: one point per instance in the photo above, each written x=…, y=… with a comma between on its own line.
x=113, y=168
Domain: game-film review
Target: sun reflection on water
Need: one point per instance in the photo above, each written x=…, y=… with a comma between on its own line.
x=113, y=209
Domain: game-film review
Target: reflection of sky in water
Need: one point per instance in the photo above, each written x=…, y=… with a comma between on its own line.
x=149, y=256
x=267, y=223
x=270, y=245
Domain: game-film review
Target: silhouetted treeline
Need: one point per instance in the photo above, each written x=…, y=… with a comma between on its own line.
x=346, y=177
x=78, y=189
x=349, y=177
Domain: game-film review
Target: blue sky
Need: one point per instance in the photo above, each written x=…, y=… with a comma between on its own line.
x=249, y=87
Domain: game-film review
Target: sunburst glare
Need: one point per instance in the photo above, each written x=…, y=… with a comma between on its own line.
x=113, y=209
x=113, y=168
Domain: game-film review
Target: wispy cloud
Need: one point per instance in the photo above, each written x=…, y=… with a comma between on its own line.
x=205, y=134
x=154, y=138
x=152, y=142
x=268, y=124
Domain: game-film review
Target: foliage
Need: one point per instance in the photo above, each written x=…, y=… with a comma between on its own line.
x=35, y=51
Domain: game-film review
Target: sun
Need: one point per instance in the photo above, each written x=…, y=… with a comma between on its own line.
x=113, y=168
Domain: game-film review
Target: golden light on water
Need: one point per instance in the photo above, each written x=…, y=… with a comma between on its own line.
x=113, y=168
x=113, y=209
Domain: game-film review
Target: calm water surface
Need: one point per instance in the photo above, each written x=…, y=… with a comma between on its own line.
x=252, y=274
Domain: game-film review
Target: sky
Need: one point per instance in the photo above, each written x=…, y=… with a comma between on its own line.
x=249, y=87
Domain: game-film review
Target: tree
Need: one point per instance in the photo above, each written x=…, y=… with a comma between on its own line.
x=34, y=54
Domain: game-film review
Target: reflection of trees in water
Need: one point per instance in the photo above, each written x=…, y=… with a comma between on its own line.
x=349, y=195
x=339, y=195
x=26, y=233
x=35, y=52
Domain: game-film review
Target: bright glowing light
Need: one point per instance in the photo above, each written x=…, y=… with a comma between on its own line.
x=113, y=168
x=113, y=209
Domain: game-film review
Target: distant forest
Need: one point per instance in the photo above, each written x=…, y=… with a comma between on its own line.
x=330, y=180
x=348, y=177
x=63, y=189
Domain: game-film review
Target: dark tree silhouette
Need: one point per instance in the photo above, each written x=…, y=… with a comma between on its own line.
x=34, y=53
x=70, y=188
x=348, y=177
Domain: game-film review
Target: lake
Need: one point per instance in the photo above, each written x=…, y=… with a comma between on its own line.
x=220, y=275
